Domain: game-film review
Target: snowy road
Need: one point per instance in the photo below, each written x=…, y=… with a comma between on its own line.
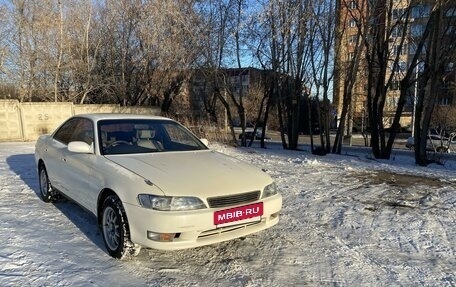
x=346, y=221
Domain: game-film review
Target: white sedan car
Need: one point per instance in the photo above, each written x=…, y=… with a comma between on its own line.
x=151, y=183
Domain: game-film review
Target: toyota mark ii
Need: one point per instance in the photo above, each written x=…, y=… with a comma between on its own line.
x=151, y=183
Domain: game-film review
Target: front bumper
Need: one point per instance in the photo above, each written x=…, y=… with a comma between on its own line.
x=194, y=228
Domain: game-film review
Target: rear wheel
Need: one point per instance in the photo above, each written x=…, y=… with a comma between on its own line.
x=115, y=229
x=48, y=194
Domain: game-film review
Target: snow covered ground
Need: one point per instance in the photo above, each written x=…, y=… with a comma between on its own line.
x=346, y=221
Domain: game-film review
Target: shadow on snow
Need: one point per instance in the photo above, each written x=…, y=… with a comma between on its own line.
x=24, y=166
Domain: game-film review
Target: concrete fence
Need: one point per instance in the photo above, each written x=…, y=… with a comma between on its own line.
x=27, y=121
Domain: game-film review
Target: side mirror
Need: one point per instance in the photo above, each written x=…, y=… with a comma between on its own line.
x=205, y=142
x=80, y=147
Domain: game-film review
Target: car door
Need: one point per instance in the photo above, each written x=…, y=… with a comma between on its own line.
x=78, y=166
x=54, y=158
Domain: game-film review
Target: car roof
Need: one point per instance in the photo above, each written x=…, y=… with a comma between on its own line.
x=114, y=116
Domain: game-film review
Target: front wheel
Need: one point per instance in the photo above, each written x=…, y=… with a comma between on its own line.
x=48, y=194
x=115, y=229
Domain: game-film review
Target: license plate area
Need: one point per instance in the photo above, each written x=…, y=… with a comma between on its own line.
x=240, y=214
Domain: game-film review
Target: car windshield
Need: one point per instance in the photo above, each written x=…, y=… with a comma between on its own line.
x=127, y=136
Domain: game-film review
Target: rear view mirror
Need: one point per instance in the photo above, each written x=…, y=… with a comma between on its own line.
x=80, y=147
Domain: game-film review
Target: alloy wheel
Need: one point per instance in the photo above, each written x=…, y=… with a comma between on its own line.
x=111, y=228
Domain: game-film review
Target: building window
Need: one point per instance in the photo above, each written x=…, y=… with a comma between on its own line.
x=451, y=12
x=352, y=22
x=351, y=56
x=444, y=101
x=352, y=5
x=416, y=30
x=421, y=11
x=399, y=67
x=398, y=49
x=352, y=39
x=395, y=85
x=404, y=49
x=398, y=13
x=412, y=48
x=397, y=32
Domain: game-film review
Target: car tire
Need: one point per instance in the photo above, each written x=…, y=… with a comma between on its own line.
x=48, y=194
x=115, y=229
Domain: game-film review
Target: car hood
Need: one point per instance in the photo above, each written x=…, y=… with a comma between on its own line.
x=199, y=173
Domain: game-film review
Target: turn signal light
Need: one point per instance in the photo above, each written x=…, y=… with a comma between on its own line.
x=162, y=237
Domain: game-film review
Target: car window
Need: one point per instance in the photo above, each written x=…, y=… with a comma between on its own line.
x=76, y=129
x=65, y=132
x=126, y=136
x=83, y=131
x=178, y=134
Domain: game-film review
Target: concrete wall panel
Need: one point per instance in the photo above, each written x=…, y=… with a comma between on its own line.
x=10, y=121
x=87, y=109
x=27, y=121
x=94, y=109
x=151, y=111
x=43, y=118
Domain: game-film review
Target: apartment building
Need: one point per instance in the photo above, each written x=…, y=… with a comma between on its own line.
x=246, y=83
x=352, y=17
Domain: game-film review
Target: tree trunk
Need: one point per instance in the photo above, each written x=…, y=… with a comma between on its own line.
x=228, y=114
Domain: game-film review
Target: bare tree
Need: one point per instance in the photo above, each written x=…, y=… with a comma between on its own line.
x=60, y=52
x=33, y=23
x=225, y=41
x=439, y=56
x=216, y=28
x=322, y=37
x=347, y=71
x=385, y=37
x=4, y=45
x=269, y=57
x=377, y=57
x=238, y=42
x=282, y=48
x=84, y=40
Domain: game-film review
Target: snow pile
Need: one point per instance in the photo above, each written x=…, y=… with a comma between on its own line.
x=346, y=220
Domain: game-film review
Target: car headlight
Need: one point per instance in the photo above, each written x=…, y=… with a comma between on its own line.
x=170, y=203
x=270, y=190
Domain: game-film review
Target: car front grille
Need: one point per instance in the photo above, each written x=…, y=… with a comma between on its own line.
x=222, y=201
